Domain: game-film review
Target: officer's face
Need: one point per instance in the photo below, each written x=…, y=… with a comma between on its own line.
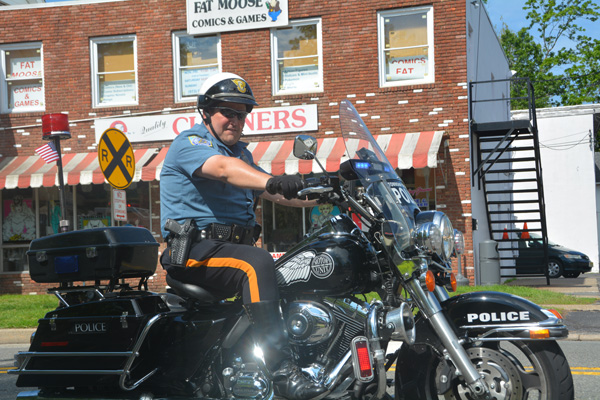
x=228, y=120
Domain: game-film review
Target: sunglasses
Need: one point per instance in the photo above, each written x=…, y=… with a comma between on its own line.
x=230, y=113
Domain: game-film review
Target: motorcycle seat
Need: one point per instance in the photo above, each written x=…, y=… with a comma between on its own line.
x=189, y=290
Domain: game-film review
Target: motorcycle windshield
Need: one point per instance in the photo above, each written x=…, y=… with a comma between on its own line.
x=379, y=179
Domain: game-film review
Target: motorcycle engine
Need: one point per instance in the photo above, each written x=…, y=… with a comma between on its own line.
x=323, y=328
x=246, y=381
x=309, y=323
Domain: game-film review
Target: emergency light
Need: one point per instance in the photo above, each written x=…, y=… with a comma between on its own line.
x=55, y=126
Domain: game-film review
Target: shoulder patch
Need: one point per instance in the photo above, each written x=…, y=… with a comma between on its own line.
x=198, y=141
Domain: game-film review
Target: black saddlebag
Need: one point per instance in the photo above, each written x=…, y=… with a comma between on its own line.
x=100, y=343
x=93, y=254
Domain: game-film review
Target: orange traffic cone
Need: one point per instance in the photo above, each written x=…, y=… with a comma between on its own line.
x=525, y=234
x=505, y=235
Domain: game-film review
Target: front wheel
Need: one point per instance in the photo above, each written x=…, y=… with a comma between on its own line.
x=512, y=370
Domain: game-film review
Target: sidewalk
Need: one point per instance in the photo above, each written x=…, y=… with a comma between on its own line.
x=583, y=320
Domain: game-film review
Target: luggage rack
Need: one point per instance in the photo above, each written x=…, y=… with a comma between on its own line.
x=98, y=290
x=22, y=359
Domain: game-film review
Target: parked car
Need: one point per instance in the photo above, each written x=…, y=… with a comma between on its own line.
x=561, y=260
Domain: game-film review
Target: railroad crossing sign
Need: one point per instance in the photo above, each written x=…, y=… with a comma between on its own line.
x=116, y=158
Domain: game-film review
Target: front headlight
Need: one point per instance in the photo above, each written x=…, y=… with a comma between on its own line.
x=443, y=224
x=573, y=256
x=428, y=238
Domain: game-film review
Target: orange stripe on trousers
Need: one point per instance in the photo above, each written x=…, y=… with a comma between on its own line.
x=232, y=263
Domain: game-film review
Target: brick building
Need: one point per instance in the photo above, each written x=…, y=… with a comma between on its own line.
x=133, y=64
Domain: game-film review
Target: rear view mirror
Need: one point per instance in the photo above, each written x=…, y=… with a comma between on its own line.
x=305, y=147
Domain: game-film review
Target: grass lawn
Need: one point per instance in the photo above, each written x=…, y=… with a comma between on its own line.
x=23, y=311
x=538, y=296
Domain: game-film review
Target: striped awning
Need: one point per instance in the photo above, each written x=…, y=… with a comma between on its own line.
x=78, y=168
x=152, y=171
x=404, y=151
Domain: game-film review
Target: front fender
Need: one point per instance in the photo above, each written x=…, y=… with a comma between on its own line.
x=497, y=314
x=476, y=317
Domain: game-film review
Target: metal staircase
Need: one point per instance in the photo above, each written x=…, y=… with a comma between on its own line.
x=506, y=165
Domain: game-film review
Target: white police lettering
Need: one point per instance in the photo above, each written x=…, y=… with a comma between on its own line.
x=90, y=327
x=402, y=194
x=510, y=316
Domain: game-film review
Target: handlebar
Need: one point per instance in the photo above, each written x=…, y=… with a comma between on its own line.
x=314, y=190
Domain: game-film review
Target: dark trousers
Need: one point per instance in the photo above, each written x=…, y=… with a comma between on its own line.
x=224, y=269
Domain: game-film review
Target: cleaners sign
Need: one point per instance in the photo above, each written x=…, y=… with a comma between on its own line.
x=261, y=121
x=211, y=16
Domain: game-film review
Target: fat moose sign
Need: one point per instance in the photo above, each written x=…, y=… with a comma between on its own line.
x=25, y=93
x=210, y=16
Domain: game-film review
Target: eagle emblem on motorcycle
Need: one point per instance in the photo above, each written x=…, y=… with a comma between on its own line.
x=304, y=265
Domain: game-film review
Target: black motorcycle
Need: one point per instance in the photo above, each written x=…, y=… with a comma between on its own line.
x=113, y=341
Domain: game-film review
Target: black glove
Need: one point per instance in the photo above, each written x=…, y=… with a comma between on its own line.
x=287, y=185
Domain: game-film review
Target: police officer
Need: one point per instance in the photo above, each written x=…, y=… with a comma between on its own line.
x=209, y=177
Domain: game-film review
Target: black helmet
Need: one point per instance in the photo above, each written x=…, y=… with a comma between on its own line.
x=228, y=87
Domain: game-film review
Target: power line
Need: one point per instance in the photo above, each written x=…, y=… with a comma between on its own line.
x=563, y=146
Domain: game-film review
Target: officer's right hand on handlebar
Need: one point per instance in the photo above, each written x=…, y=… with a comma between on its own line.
x=287, y=185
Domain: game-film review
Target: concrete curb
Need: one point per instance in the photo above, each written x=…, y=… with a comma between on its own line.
x=16, y=336
x=583, y=337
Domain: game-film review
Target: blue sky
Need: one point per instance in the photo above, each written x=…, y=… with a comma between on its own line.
x=511, y=12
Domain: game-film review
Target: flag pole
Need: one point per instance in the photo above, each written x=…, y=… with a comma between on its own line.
x=64, y=222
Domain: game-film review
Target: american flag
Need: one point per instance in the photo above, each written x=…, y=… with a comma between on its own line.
x=47, y=152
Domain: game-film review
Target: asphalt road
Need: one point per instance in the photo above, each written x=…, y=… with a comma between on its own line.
x=583, y=322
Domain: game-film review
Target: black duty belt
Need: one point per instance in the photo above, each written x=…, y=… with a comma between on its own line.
x=229, y=233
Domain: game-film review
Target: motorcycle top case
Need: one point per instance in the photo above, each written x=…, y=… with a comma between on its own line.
x=93, y=254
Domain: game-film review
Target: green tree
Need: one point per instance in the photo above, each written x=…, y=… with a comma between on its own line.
x=554, y=53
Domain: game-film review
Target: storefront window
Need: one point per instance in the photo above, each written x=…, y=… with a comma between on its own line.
x=15, y=259
x=421, y=185
x=320, y=214
x=22, y=78
x=406, y=46
x=282, y=226
x=50, y=212
x=18, y=228
x=114, y=69
x=297, y=58
x=93, y=206
x=18, y=212
x=195, y=59
x=138, y=205
x=285, y=226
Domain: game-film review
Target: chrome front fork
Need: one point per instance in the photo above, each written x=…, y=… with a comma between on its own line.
x=432, y=310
